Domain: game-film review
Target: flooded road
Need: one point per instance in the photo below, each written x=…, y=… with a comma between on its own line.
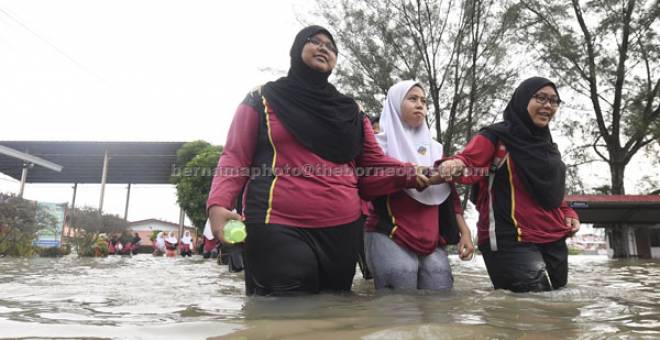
x=146, y=297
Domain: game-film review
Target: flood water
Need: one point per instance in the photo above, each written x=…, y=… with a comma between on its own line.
x=146, y=297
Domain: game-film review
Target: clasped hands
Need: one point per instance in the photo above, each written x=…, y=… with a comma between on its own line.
x=446, y=172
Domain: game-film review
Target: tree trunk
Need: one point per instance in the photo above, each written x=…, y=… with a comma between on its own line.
x=617, y=171
x=435, y=96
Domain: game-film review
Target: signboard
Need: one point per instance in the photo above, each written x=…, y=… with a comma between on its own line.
x=51, y=236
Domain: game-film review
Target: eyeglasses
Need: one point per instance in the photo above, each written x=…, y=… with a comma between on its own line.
x=542, y=99
x=318, y=43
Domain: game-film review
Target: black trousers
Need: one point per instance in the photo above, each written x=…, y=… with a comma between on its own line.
x=527, y=267
x=284, y=260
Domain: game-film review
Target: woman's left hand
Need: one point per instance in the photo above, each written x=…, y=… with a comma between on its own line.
x=465, y=247
x=574, y=224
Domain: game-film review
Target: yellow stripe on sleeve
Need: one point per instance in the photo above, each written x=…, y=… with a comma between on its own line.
x=513, y=201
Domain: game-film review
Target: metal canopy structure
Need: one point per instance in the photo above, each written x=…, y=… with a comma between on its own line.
x=82, y=162
x=90, y=162
x=27, y=158
x=616, y=209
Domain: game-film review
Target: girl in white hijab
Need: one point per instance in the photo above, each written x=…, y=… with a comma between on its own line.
x=159, y=245
x=170, y=244
x=186, y=246
x=404, y=247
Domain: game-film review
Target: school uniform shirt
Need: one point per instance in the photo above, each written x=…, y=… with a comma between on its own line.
x=407, y=222
x=517, y=216
x=287, y=184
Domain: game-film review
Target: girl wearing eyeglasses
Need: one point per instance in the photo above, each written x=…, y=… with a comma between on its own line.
x=523, y=218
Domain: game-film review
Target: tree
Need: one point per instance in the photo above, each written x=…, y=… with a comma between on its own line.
x=189, y=150
x=18, y=226
x=90, y=224
x=20, y=220
x=456, y=49
x=193, y=179
x=607, y=51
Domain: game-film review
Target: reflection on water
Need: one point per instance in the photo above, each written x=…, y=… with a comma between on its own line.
x=145, y=297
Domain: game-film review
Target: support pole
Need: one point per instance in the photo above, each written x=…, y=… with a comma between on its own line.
x=182, y=217
x=73, y=199
x=73, y=206
x=128, y=198
x=104, y=177
x=24, y=174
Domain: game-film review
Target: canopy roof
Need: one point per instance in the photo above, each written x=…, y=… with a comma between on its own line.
x=82, y=162
x=614, y=209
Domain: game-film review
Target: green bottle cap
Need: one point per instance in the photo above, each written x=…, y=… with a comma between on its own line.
x=235, y=231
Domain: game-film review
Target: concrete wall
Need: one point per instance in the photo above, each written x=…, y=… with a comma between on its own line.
x=655, y=252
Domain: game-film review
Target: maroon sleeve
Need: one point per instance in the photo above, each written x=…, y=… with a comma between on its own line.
x=477, y=157
x=233, y=165
x=378, y=173
x=568, y=211
x=458, y=207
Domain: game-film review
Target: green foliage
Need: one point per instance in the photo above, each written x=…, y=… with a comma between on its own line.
x=193, y=180
x=18, y=213
x=95, y=248
x=603, y=190
x=90, y=224
x=607, y=51
x=154, y=234
x=189, y=150
x=20, y=220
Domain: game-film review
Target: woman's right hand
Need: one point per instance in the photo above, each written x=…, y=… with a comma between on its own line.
x=448, y=170
x=422, y=180
x=218, y=216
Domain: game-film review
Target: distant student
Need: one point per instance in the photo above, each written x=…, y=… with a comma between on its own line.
x=210, y=243
x=136, y=243
x=170, y=244
x=186, y=245
x=159, y=245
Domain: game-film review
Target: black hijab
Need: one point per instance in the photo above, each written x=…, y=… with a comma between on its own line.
x=538, y=161
x=323, y=120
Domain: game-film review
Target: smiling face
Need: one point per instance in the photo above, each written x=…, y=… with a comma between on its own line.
x=542, y=113
x=413, y=107
x=317, y=55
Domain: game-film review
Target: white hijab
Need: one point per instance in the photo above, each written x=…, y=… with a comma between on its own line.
x=170, y=238
x=186, y=239
x=208, y=233
x=160, y=241
x=406, y=144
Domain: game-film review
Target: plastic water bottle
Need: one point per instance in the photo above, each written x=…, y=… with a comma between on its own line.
x=235, y=231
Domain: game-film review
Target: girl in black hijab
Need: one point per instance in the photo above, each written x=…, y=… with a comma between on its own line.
x=523, y=219
x=302, y=213
x=324, y=120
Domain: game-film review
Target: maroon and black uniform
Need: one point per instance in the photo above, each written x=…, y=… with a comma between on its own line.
x=530, y=239
x=517, y=216
x=302, y=211
x=409, y=223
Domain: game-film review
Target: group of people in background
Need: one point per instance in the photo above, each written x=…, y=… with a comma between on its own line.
x=169, y=245
x=306, y=232
x=128, y=247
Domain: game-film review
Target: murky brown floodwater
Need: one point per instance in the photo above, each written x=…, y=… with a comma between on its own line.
x=144, y=297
